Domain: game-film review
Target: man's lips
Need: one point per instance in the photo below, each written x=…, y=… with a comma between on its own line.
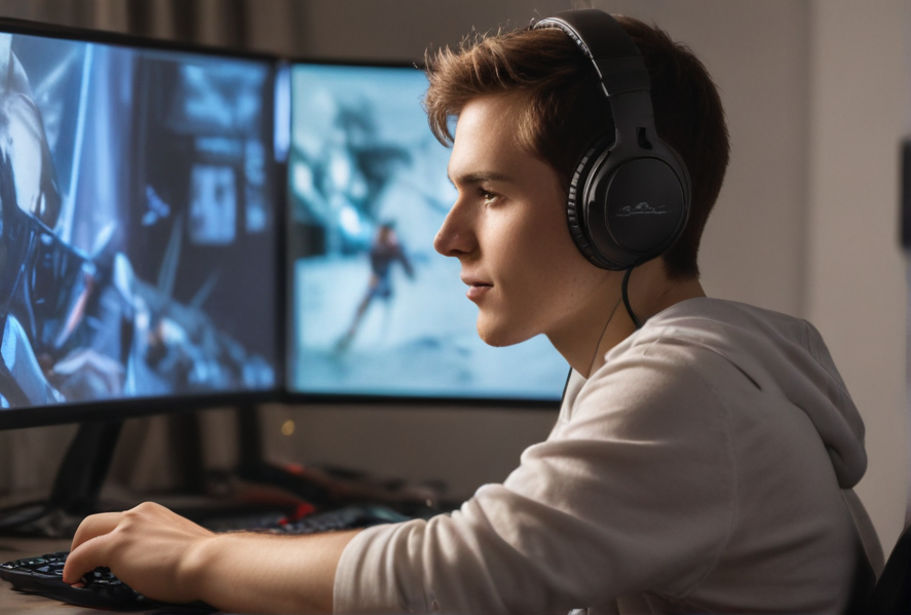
x=476, y=288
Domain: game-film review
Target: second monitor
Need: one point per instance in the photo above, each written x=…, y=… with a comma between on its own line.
x=374, y=310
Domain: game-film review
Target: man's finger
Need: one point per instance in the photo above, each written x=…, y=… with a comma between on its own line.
x=87, y=556
x=95, y=525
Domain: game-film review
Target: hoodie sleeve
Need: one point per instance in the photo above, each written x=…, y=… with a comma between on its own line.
x=633, y=490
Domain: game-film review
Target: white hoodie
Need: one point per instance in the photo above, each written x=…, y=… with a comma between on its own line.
x=700, y=469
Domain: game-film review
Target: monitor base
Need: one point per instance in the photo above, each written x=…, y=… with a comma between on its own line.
x=76, y=486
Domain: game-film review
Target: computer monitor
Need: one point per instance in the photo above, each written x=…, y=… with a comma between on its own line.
x=139, y=235
x=374, y=311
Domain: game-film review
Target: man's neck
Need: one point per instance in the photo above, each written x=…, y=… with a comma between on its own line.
x=650, y=291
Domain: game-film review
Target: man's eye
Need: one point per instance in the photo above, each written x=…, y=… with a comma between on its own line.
x=486, y=195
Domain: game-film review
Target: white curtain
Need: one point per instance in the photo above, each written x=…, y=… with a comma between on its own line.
x=267, y=25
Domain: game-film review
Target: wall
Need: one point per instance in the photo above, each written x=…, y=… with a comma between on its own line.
x=816, y=93
x=856, y=292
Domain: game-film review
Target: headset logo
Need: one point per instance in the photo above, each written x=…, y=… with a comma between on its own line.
x=643, y=208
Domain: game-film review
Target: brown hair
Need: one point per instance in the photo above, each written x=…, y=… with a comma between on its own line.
x=565, y=110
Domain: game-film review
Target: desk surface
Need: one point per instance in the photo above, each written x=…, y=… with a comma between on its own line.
x=18, y=603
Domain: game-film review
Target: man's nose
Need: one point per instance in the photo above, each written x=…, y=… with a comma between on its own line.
x=455, y=237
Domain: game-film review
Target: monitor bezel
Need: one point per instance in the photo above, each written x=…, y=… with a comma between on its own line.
x=129, y=407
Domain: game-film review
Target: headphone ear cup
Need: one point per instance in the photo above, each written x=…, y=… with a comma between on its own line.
x=577, y=206
x=625, y=210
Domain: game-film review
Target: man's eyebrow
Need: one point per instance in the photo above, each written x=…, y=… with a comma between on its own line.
x=479, y=177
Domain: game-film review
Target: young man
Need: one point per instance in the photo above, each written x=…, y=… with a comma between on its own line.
x=699, y=460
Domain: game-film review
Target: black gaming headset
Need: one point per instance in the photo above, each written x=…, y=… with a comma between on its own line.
x=629, y=196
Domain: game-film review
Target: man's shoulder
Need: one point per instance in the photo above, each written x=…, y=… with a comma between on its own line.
x=649, y=383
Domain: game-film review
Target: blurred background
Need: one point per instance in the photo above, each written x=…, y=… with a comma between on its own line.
x=818, y=100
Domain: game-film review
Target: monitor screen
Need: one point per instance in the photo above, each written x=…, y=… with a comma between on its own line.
x=373, y=309
x=138, y=236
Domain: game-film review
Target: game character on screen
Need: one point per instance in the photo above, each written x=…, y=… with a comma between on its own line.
x=705, y=450
x=385, y=250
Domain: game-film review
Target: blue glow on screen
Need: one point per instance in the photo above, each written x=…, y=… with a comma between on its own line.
x=137, y=226
x=362, y=157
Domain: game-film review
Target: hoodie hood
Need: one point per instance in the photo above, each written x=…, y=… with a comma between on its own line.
x=777, y=353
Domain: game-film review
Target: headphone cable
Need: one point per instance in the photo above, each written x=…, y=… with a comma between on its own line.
x=624, y=291
x=600, y=338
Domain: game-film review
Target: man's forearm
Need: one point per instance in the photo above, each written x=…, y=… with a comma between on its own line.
x=262, y=573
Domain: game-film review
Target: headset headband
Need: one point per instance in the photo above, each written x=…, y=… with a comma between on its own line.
x=629, y=194
x=618, y=62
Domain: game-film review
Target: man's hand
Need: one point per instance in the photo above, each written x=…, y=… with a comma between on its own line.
x=169, y=558
x=149, y=548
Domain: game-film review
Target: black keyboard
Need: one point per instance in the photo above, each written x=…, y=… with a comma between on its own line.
x=44, y=574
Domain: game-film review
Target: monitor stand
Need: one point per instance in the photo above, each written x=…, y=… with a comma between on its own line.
x=76, y=486
x=84, y=468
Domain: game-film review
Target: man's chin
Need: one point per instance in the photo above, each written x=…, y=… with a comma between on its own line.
x=498, y=336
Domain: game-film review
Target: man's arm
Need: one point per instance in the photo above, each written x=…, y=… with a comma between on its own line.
x=167, y=557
